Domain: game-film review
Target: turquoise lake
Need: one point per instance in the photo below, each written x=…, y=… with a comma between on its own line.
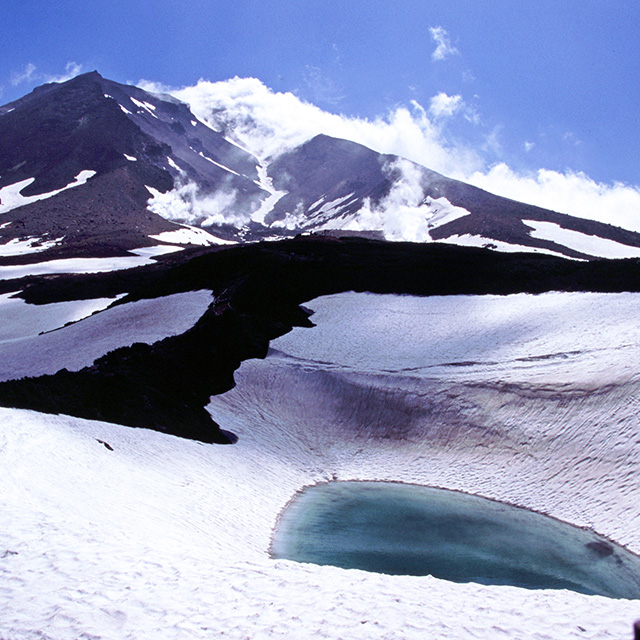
x=403, y=529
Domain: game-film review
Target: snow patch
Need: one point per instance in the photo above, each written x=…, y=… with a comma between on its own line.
x=11, y=197
x=590, y=245
x=235, y=173
x=158, y=250
x=190, y=235
x=74, y=265
x=17, y=247
x=265, y=182
x=21, y=320
x=330, y=207
x=80, y=344
x=468, y=240
x=145, y=106
x=173, y=164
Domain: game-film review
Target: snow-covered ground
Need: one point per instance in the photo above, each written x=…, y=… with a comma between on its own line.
x=79, y=344
x=18, y=247
x=22, y=320
x=141, y=256
x=590, y=245
x=157, y=537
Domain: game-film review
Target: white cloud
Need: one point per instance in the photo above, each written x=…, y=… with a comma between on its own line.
x=71, y=70
x=28, y=74
x=528, y=146
x=25, y=75
x=492, y=142
x=444, y=106
x=268, y=123
x=569, y=192
x=321, y=87
x=444, y=48
x=571, y=138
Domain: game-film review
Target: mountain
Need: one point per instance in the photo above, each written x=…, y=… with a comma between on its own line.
x=79, y=161
x=91, y=167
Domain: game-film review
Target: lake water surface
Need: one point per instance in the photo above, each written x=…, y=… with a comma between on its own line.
x=404, y=529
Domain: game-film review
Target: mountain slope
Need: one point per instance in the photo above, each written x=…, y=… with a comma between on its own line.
x=93, y=167
x=121, y=141
x=337, y=184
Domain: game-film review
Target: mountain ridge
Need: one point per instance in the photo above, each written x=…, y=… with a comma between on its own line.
x=94, y=165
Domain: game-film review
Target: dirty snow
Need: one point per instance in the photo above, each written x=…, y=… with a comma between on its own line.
x=17, y=246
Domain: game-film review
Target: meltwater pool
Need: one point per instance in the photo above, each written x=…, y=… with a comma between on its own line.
x=405, y=529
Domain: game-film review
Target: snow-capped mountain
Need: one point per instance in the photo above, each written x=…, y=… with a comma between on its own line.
x=92, y=167
x=80, y=160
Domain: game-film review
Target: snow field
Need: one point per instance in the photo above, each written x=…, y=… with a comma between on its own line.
x=590, y=245
x=155, y=539
x=22, y=320
x=81, y=343
x=141, y=257
x=563, y=338
x=160, y=537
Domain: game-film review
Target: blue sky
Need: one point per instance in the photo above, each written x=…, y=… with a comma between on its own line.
x=545, y=84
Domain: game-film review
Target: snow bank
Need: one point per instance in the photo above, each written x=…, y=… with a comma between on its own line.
x=582, y=338
x=87, y=265
x=590, y=245
x=468, y=240
x=22, y=320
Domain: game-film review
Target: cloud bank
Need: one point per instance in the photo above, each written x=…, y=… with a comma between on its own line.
x=269, y=123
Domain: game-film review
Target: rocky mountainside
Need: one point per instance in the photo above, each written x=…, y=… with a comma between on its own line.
x=91, y=167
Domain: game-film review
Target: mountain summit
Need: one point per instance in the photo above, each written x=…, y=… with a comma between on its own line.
x=92, y=167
